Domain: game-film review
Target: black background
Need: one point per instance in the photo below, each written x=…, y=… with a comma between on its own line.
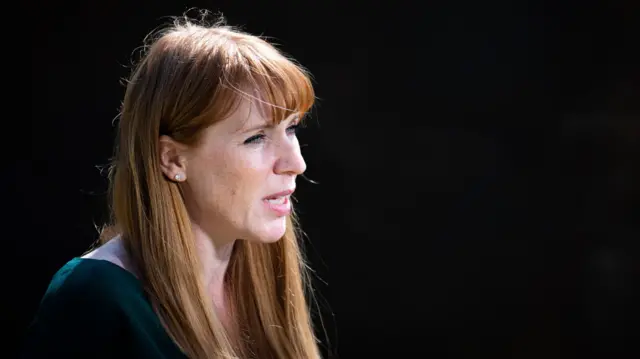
x=477, y=165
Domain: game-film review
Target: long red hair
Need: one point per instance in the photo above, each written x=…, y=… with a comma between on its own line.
x=189, y=78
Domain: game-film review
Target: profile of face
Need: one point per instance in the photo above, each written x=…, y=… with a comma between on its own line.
x=237, y=182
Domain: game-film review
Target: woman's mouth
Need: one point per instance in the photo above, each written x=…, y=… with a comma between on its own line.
x=277, y=200
x=279, y=203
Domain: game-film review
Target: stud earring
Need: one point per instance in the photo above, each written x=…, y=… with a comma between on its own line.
x=178, y=177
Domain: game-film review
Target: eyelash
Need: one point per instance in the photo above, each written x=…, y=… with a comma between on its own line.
x=293, y=129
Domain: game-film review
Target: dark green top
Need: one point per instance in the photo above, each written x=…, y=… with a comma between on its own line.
x=96, y=309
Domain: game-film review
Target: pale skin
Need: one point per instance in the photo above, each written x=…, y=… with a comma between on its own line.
x=225, y=180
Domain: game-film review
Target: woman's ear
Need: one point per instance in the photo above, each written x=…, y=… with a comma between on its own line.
x=172, y=160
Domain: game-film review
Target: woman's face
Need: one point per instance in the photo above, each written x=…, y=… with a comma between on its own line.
x=240, y=177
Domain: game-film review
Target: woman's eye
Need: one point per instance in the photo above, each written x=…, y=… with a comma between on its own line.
x=254, y=139
x=293, y=129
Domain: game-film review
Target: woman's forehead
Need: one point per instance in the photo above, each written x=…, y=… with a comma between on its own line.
x=247, y=114
x=253, y=113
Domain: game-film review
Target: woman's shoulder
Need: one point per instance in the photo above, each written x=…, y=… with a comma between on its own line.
x=112, y=251
x=91, y=282
x=98, y=280
x=87, y=312
x=96, y=284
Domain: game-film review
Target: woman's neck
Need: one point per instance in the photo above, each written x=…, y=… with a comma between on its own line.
x=215, y=261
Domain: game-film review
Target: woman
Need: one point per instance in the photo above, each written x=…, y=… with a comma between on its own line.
x=202, y=258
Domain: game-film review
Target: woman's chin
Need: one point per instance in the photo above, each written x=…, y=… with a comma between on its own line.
x=263, y=239
x=270, y=235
